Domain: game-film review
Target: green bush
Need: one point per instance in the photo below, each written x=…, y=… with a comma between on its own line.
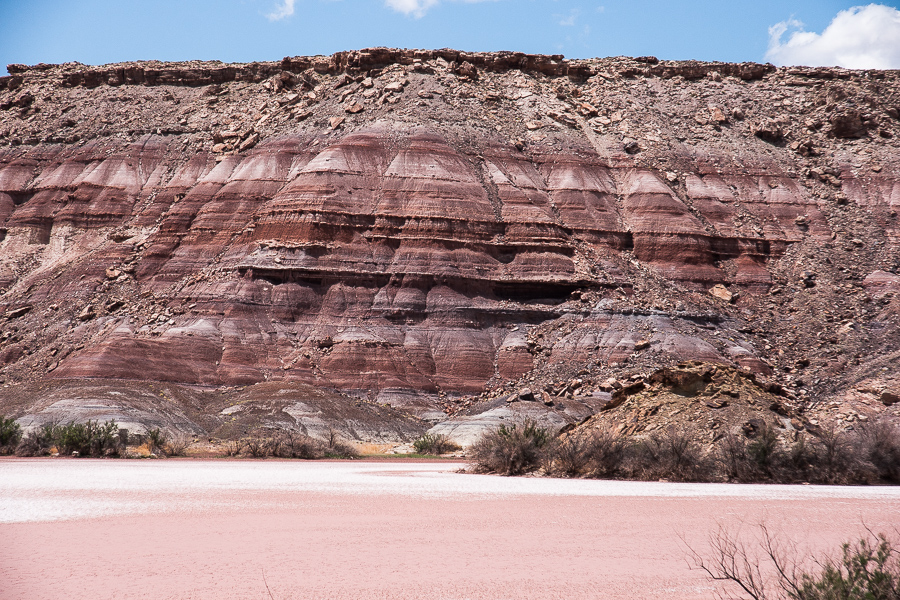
x=38, y=441
x=867, y=570
x=156, y=441
x=10, y=434
x=511, y=450
x=88, y=439
x=435, y=444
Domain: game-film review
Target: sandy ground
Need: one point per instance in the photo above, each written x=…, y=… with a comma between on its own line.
x=231, y=529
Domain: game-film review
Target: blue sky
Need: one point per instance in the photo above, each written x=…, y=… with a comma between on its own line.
x=103, y=31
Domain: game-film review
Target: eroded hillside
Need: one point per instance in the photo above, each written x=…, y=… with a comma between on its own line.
x=434, y=230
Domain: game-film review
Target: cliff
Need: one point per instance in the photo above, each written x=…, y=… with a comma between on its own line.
x=433, y=229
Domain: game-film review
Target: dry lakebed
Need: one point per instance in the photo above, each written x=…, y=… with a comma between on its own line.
x=243, y=529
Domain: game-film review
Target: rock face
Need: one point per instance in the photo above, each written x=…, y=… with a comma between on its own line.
x=220, y=413
x=410, y=227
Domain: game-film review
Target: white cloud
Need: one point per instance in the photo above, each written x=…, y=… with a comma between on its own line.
x=862, y=37
x=415, y=8
x=282, y=11
x=569, y=21
x=418, y=8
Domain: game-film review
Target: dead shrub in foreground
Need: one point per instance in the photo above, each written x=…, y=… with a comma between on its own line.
x=771, y=569
x=511, y=449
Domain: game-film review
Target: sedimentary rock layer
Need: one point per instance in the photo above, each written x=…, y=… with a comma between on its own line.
x=410, y=226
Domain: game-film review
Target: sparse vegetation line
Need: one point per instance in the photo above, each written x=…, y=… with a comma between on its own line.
x=93, y=439
x=870, y=454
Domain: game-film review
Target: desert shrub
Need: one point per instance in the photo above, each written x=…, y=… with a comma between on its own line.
x=10, y=435
x=38, y=441
x=733, y=459
x=234, y=447
x=606, y=453
x=511, y=450
x=879, y=443
x=337, y=448
x=760, y=458
x=763, y=449
x=831, y=456
x=177, y=445
x=799, y=461
x=868, y=569
x=595, y=453
x=122, y=439
x=670, y=454
x=275, y=445
x=569, y=456
x=290, y=444
x=257, y=446
x=298, y=445
x=838, y=460
x=434, y=443
x=340, y=450
x=156, y=440
x=87, y=439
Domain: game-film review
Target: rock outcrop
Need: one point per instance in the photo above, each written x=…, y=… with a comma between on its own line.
x=434, y=229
